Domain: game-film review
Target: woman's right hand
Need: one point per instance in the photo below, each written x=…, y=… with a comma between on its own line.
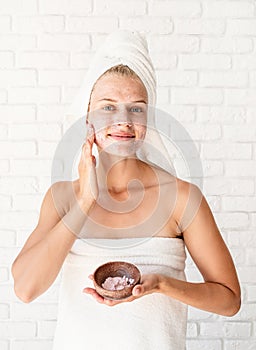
x=88, y=185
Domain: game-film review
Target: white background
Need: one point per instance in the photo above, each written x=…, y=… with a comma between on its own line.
x=204, y=52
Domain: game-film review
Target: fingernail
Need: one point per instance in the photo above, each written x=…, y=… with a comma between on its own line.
x=137, y=291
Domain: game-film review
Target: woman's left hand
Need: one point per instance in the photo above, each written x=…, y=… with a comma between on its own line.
x=148, y=284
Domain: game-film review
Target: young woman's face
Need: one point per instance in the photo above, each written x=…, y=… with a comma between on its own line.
x=118, y=112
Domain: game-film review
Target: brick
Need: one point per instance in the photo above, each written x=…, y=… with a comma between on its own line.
x=30, y=202
x=205, y=61
x=246, y=62
x=4, y=345
x=8, y=295
x=222, y=114
x=61, y=77
x=226, y=150
x=199, y=27
x=241, y=97
x=247, y=204
x=14, y=41
x=81, y=59
x=6, y=59
x=250, y=257
x=38, y=311
x=171, y=43
x=62, y=7
x=203, y=132
x=17, y=77
x=176, y=78
x=223, y=79
x=231, y=45
x=91, y=24
x=48, y=60
x=160, y=25
x=242, y=238
x=17, y=184
x=17, y=149
x=3, y=132
x=18, y=7
x=5, y=24
x=192, y=331
x=203, y=344
x=5, y=202
x=238, y=255
x=177, y=9
x=45, y=131
x=240, y=344
x=47, y=148
x=240, y=168
x=201, y=96
x=238, y=9
x=58, y=42
x=183, y=113
x=241, y=133
x=237, y=329
x=38, y=24
x=214, y=203
x=34, y=95
x=4, y=313
x=232, y=220
x=7, y=238
x=246, y=274
x=4, y=274
x=247, y=311
x=161, y=61
x=51, y=113
x=8, y=254
x=162, y=94
x=17, y=330
x=241, y=27
x=46, y=329
x=68, y=94
x=19, y=219
x=211, y=329
x=4, y=166
x=32, y=345
x=119, y=8
x=195, y=314
x=251, y=292
x=14, y=113
x=34, y=167
x=3, y=96
x=252, y=79
x=226, y=186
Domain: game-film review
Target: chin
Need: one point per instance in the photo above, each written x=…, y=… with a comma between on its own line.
x=123, y=148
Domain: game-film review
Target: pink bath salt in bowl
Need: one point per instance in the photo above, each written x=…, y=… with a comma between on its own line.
x=116, y=279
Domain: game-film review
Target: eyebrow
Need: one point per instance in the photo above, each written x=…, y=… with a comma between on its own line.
x=111, y=100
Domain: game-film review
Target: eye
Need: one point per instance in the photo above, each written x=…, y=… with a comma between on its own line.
x=137, y=109
x=108, y=108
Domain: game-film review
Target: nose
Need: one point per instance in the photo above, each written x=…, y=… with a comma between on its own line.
x=126, y=123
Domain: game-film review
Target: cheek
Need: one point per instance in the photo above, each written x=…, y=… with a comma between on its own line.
x=141, y=131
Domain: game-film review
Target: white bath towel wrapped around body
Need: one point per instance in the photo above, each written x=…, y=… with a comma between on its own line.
x=152, y=322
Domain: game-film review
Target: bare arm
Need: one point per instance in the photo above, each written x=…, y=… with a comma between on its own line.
x=39, y=262
x=220, y=291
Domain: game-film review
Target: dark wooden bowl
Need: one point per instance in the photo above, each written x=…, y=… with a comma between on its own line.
x=115, y=269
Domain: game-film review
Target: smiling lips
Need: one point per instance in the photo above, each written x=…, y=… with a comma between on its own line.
x=121, y=136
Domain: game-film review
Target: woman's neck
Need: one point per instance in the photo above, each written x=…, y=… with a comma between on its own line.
x=115, y=172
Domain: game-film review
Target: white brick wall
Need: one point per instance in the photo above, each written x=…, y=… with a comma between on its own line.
x=204, y=53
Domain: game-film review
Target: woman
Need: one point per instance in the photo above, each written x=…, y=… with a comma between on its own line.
x=124, y=208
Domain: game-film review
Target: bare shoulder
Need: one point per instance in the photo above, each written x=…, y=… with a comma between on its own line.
x=62, y=194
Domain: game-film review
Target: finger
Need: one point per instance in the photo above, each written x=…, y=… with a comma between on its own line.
x=94, y=294
x=90, y=133
x=90, y=276
x=138, y=290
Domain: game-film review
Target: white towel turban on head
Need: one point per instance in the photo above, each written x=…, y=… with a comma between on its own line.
x=120, y=47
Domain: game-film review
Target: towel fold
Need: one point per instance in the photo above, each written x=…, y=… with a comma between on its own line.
x=152, y=322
